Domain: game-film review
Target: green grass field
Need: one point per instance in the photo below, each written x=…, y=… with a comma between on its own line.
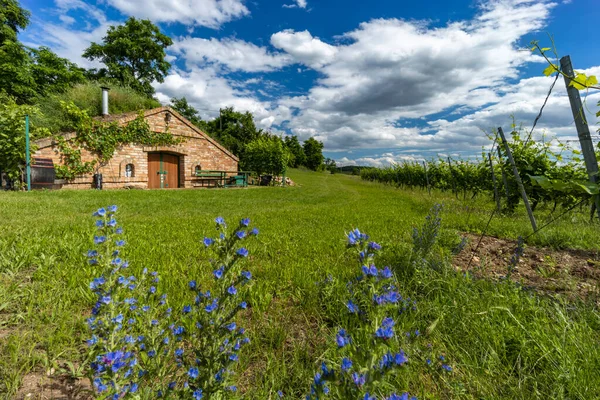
x=503, y=342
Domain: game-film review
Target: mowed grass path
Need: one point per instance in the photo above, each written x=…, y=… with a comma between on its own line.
x=44, y=295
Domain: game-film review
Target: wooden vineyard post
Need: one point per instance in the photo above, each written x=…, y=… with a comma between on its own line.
x=504, y=180
x=427, y=178
x=518, y=179
x=494, y=181
x=583, y=130
x=452, y=174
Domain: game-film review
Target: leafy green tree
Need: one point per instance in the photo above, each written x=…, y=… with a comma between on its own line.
x=313, y=150
x=15, y=76
x=266, y=155
x=134, y=54
x=12, y=136
x=234, y=130
x=182, y=106
x=53, y=74
x=330, y=165
x=297, y=157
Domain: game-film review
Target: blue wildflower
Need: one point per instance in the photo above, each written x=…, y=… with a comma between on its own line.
x=92, y=253
x=220, y=221
x=97, y=282
x=386, y=330
x=400, y=358
x=187, y=309
x=179, y=352
x=192, y=284
x=218, y=273
x=352, y=307
x=359, y=379
x=112, y=208
x=254, y=231
x=99, y=239
x=245, y=221
x=120, y=243
x=342, y=339
x=178, y=330
x=152, y=289
x=100, y=213
x=211, y=307
x=232, y=290
x=386, y=273
x=193, y=373
x=240, y=234
x=243, y=305
x=233, y=357
x=197, y=394
x=374, y=246
x=112, y=223
x=230, y=327
x=447, y=367
x=208, y=241
x=247, y=275
x=346, y=364
x=242, y=252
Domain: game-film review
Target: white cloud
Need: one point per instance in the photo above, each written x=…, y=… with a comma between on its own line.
x=208, y=13
x=389, y=71
x=298, y=4
x=237, y=55
x=304, y=48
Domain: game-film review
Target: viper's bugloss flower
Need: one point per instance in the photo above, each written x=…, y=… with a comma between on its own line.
x=192, y=284
x=179, y=352
x=254, y=231
x=447, y=367
x=232, y=290
x=97, y=282
x=245, y=221
x=231, y=327
x=359, y=379
x=92, y=253
x=99, y=239
x=212, y=306
x=242, y=252
x=112, y=223
x=352, y=307
x=101, y=212
x=369, y=397
x=118, y=231
x=152, y=289
x=247, y=275
x=342, y=339
x=218, y=273
x=243, y=305
x=346, y=364
x=386, y=331
x=386, y=273
x=112, y=208
x=374, y=246
x=197, y=394
x=240, y=234
x=100, y=223
x=220, y=221
x=193, y=372
x=400, y=358
x=120, y=243
x=208, y=241
x=187, y=309
x=233, y=357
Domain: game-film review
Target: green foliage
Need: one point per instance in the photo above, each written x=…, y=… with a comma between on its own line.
x=297, y=157
x=313, y=150
x=134, y=54
x=102, y=140
x=266, y=155
x=15, y=77
x=187, y=111
x=234, y=130
x=52, y=73
x=330, y=165
x=88, y=97
x=12, y=136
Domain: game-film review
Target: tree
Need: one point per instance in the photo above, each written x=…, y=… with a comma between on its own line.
x=134, y=54
x=297, y=157
x=12, y=136
x=190, y=113
x=313, y=150
x=330, y=165
x=266, y=155
x=15, y=77
x=234, y=130
x=53, y=74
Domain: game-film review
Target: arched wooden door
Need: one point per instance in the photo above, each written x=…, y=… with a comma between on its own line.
x=163, y=171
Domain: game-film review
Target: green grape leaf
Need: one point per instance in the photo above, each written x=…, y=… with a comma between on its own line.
x=579, y=81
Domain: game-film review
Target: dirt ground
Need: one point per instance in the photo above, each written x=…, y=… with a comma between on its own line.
x=575, y=273
x=43, y=386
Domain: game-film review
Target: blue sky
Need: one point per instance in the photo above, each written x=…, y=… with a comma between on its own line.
x=377, y=82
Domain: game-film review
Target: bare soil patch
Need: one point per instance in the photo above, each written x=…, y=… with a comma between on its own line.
x=42, y=386
x=575, y=273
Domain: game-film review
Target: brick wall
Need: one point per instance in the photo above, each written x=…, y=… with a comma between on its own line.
x=196, y=149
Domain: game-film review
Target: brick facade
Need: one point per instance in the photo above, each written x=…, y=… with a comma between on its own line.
x=196, y=149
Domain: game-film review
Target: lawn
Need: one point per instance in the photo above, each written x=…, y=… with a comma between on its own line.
x=503, y=341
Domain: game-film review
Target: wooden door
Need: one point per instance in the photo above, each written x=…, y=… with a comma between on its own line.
x=163, y=171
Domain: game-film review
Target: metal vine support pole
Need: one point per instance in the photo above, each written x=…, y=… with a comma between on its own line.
x=27, y=158
x=498, y=207
x=518, y=179
x=583, y=130
x=427, y=178
x=504, y=180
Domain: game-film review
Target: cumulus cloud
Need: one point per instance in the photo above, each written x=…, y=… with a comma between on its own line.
x=235, y=54
x=208, y=13
x=304, y=48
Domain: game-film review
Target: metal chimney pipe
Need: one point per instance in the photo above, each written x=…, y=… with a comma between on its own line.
x=105, y=101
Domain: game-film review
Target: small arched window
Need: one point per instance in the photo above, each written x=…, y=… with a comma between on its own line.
x=197, y=169
x=129, y=171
